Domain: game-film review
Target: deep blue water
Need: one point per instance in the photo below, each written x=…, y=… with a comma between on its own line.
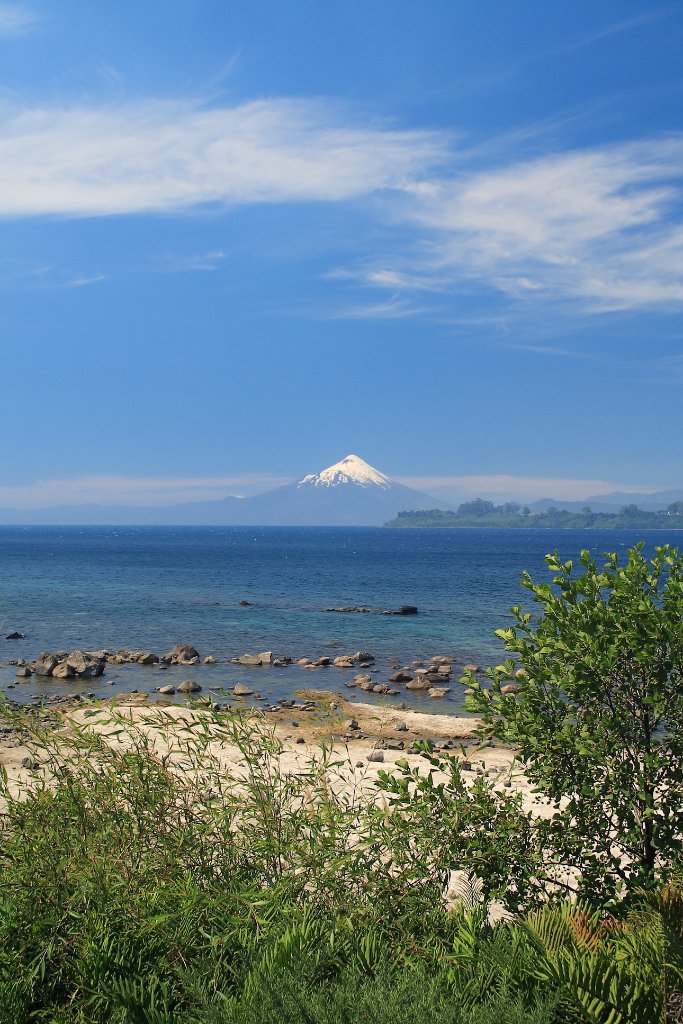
x=151, y=587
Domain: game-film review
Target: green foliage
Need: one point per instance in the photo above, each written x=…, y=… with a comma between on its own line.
x=598, y=716
x=142, y=883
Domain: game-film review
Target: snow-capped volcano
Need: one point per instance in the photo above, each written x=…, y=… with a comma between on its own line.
x=349, y=493
x=351, y=470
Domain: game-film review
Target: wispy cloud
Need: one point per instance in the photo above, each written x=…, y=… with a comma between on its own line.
x=395, y=308
x=521, y=488
x=598, y=228
x=211, y=260
x=156, y=156
x=585, y=232
x=44, y=276
x=617, y=28
x=81, y=281
x=133, y=490
x=15, y=20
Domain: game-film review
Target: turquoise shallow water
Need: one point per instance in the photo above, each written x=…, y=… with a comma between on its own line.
x=149, y=588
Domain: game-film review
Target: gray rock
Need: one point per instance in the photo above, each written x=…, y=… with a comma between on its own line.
x=168, y=690
x=182, y=654
x=363, y=656
x=438, y=691
x=400, y=677
x=84, y=666
x=24, y=672
x=400, y=727
x=249, y=659
x=76, y=661
x=63, y=671
x=242, y=690
x=419, y=683
x=15, y=636
x=44, y=664
x=377, y=755
x=188, y=686
x=147, y=658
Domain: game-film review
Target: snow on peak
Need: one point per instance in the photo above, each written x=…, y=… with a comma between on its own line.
x=351, y=470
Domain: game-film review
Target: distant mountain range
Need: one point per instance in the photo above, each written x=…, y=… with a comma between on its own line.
x=612, y=502
x=349, y=493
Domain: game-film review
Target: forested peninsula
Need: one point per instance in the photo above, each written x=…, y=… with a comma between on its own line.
x=480, y=513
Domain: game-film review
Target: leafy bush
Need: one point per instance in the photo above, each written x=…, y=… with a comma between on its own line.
x=593, y=701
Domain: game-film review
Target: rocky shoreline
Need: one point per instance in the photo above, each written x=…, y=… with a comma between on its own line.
x=433, y=678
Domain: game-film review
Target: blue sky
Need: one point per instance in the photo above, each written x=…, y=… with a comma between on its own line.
x=243, y=239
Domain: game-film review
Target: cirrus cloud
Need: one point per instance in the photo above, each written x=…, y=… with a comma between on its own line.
x=160, y=156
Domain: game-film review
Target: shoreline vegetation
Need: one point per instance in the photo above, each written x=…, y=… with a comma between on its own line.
x=485, y=514
x=187, y=865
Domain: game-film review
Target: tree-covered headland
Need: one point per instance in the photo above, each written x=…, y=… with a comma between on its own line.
x=481, y=513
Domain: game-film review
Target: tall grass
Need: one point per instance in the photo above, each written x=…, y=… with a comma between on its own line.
x=142, y=882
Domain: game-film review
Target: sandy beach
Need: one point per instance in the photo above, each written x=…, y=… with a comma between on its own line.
x=364, y=738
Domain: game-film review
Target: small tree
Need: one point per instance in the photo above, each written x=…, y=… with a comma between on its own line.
x=596, y=713
x=476, y=507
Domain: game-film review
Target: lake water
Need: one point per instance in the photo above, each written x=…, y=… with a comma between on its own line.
x=87, y=588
